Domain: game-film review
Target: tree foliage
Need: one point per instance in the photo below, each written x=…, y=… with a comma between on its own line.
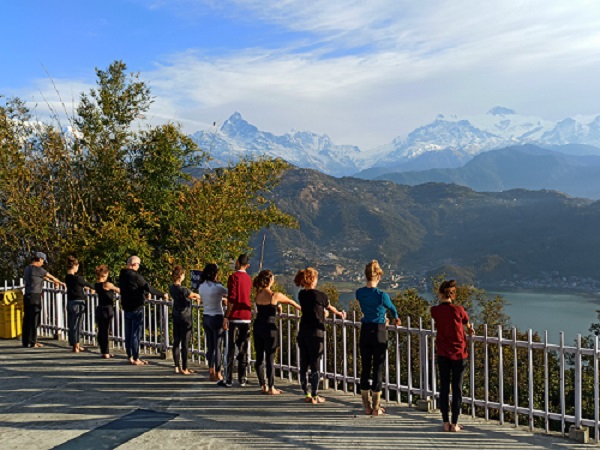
x=110, y=185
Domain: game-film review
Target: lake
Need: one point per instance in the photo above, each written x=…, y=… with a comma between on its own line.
x=572, y=313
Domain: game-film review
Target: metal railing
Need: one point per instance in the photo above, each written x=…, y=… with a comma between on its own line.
x=512, y=376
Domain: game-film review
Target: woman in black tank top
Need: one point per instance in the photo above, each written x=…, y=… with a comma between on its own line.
x=265, y=328
x=105, y=309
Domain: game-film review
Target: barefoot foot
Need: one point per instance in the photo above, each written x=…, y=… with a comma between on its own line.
x=455, y=428
x=186, y=371
x=274, y=391
x=446, y=426
x=317, y=399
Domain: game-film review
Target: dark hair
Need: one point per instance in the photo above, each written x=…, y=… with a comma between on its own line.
x=243, y=259
x=71, y=262
x=449, y=286
x=209, y=273
x=304, y=278
x=263, y=279
x=101, y=271
x=177, y=272
x=442, y=287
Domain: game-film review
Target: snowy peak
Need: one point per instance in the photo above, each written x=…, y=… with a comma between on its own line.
x=501, y=111
x=464, y=137
x=237, y=138
x=237, y=126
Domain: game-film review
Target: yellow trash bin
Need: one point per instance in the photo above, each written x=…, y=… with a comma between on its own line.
x=11, y=314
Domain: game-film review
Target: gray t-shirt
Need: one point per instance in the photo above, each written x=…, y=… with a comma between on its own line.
x=212, y=297
x=34, y=279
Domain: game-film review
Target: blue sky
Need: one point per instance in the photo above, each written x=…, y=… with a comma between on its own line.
x=363, y=72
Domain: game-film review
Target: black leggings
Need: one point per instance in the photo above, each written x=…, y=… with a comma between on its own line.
x=265, y=343
x=373, y=346
x=104, y=318
x=311, y=350
x=451, y=371
x=182, y=334
x=213, y=328
x=238, y=336
x=75, y=313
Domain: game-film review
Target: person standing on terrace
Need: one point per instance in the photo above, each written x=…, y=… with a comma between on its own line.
x=182, y=320
x=76, y=304
x=134, y=289
x=451, y=350
x=310, y=338
x=373, y=337
x=237, y=320
x=214, y=297
x=105, y=311
x=265, y=329
x=34, y=277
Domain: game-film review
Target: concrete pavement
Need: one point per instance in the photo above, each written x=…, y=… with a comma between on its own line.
x=52, y=398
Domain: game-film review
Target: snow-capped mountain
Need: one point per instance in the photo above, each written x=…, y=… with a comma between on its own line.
x=465, y=137
x=237, y=138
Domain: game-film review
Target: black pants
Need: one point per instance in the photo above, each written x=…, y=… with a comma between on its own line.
x=182, y=335
x=104, y=318
x=265, y=344
x=238, y=336
x=373, y=346
x=311, y=351
x=451, y=371
x=32, y=309
x=213, y=327
x=75, y=312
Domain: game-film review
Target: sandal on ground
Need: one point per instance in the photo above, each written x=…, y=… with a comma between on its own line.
x=378, y=412
x=317, y=399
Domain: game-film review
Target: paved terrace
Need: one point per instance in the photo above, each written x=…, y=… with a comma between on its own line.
x=51, y=398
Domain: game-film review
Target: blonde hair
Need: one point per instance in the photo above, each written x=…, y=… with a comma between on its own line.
x=305, y=278
x=372, y=270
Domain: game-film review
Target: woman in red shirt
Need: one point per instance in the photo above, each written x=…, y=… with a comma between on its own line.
x=451, y=349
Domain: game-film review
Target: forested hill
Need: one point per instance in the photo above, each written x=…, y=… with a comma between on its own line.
x=508, y=235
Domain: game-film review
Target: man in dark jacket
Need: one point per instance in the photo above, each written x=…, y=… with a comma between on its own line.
x=134, y=290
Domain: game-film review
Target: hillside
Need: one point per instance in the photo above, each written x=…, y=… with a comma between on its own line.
x=511, y=235
x=527, y=166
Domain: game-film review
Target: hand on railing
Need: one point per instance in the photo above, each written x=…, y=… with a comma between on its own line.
x=397, y=321
x=470, y=329
x=225, y=323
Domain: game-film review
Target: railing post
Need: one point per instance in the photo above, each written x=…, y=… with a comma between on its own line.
x=578, y=383
x=165, y=330
x=500, y=377
x=530, y=370
x=578, y=432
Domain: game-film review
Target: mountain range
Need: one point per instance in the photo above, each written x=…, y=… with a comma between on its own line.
x=446, y=142
x=511, y=235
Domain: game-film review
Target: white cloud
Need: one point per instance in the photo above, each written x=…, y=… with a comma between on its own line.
x=365, y=72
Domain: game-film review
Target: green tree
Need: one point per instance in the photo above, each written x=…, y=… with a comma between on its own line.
x=112, y=185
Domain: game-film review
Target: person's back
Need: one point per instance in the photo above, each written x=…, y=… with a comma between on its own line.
x=449, y=322
x=212, y=294
x=34, y=279
x=182, y=305
x=313, y=303
x=239, y=287
x=132, y=289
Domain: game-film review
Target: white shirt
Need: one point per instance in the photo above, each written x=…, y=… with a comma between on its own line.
x=212, y=297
